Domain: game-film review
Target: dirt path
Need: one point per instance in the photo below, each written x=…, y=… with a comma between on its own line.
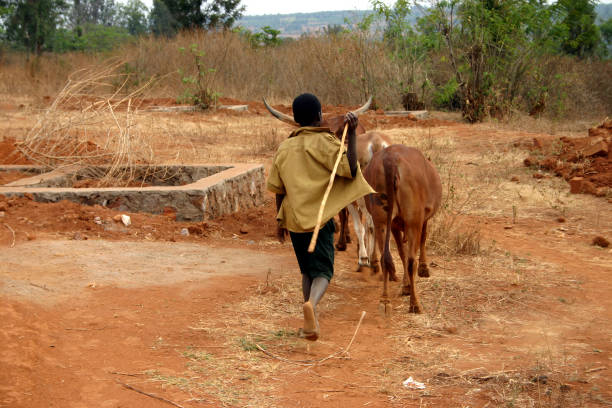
x=523, y=320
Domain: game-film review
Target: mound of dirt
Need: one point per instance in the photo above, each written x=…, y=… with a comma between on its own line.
x=586, y=162
x=9, y=153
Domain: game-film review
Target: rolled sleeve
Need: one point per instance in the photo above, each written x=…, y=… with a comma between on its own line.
x=275, y=183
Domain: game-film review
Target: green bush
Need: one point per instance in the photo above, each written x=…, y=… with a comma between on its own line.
x=447, y=96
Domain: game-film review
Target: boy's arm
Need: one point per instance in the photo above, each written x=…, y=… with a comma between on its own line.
x=280, y=232
x=351, y=153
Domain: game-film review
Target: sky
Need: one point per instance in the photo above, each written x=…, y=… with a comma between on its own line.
x=257, y=7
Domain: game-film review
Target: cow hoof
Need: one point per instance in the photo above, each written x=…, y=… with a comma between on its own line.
x=393, y=277
x=414, y=309
x=406, y=290
x=348, y=239
x=423, y=270
x=341, y=247
x=363, y=268
x=375, y=269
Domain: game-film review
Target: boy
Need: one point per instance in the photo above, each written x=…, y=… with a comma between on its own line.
x=299, y=176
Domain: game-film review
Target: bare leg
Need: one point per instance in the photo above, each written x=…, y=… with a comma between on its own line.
x=311, y=325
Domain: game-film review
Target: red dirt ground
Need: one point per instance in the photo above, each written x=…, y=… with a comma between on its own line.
x=77, y=352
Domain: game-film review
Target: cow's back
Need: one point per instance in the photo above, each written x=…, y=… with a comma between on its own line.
x=418, y=182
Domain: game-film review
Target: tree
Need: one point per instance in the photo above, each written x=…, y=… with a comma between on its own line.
x=134, y=17
x=161, y=21
x=190, y=14
x=32, y=23
x=582, y=37
x=102, y=12
x=492, y=45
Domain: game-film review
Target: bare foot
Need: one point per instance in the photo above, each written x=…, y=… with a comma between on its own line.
x=311, y=327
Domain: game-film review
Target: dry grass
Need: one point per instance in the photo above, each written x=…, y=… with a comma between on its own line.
x=89, y=124
x=342, y=69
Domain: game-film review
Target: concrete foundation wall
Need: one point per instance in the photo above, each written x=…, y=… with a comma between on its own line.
x=234, y=187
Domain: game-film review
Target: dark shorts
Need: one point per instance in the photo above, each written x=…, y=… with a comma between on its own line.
x=321, y=262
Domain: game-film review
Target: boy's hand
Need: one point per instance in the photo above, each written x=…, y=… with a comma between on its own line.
x=352, y=121
x=281, y=233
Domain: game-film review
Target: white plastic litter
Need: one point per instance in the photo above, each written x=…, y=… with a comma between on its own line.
x=412, y=384
x=126, y=220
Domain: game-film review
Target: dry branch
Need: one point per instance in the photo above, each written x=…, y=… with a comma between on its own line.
x=12, y=231
x=129, y=387
x=310, y=363
x=83, y=127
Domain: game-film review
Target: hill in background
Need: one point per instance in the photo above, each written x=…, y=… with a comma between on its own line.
x=294, y=25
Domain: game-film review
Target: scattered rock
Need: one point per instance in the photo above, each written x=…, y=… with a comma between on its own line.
x=507, y=227
x=537, y=143
x=578, y=185
x=530, y=161
x=117, y=218
x=598, y=147
x=601, y=242
x=3, y=206
x=565, y=388
x=126, y=220
x=244, y=229
x=79, y=237
x=538, y=176
x=515, y=179
x=30, y=237
x=98, y=220
x=561, y=219
x=542, y=379
x=29, y=196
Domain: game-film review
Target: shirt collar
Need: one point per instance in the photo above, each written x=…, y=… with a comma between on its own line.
x=310, y=129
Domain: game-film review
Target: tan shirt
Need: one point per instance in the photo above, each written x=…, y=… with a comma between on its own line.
x=302, y=166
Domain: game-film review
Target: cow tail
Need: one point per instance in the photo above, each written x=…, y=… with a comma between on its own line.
x=390, y=170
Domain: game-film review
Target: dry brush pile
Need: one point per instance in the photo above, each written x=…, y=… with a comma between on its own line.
x=91, y=125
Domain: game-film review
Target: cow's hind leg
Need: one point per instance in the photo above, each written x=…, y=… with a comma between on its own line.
x=423, y=269
x=412, y=241
x=397, y=235
x=380, y=244
x=343, y=236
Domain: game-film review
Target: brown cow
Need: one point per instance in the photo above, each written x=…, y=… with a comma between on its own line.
x=409, y=193
x=368, y=143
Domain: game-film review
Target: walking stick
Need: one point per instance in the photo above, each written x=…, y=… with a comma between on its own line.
x=315, y=234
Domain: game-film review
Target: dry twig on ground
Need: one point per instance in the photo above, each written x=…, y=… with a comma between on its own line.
x=309, y=363
x=129, y=387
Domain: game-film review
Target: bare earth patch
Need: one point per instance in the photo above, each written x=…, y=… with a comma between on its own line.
x=517, y=311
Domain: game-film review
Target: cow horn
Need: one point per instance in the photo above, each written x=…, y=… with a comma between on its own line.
x=279, y=115
x=364, y=108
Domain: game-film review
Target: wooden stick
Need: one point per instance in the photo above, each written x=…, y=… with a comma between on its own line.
x=315, y=234
x=310, y=363
x=13, y=232
x=129, y=387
